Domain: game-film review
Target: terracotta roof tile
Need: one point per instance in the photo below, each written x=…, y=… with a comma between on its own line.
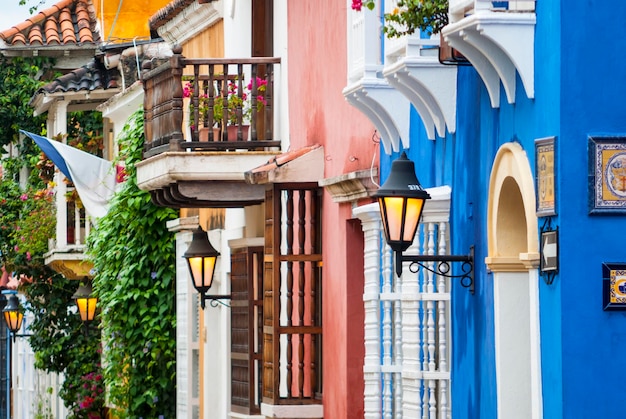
x=261, y=174
x=19, y=39
x=51, y=32
x=66, y=22
x=86, y=78
x=35, y=36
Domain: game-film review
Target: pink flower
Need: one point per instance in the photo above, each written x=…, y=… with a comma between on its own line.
x=24, y=197
x=357, y=4
x=188, y=89
x=86, y=404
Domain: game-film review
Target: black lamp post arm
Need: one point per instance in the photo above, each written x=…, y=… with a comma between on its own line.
x=214, y=300
x=442, y=266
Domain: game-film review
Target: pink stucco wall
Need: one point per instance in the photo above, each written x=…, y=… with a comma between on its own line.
x=320, y=114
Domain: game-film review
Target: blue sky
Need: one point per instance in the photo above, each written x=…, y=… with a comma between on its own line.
x=13, y=13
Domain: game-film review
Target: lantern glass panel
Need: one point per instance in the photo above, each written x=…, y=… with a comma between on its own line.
x=87, y=308
x=13, y=319
x=202, y=271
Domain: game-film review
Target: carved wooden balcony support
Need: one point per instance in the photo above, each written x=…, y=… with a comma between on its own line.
x=232, y=100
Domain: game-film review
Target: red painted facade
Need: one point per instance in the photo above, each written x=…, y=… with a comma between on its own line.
x=319, y=114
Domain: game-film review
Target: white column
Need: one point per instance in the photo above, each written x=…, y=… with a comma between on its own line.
x=370, y=223
x=57, y=124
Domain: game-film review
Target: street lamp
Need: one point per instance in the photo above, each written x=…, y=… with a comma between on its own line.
x=13, y=315
x=86, y=302
x=401, y=199
x=201, y=258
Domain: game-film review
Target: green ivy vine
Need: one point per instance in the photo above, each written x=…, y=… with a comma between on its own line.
x=27, y=222
x=133, y=255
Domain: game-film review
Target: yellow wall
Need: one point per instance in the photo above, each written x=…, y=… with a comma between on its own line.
x=207, y=44
x=132, y=20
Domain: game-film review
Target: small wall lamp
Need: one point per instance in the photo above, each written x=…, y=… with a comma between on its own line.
x=201, y=258
x=401, y=199
x=13, y=315
x=86, y=302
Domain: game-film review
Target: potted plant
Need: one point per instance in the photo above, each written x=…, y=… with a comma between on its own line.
x=239, y=106
x=231, y=106
x=410, y=16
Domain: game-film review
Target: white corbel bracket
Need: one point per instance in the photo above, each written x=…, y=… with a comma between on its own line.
x=431, y=88
x=387, y=108
x=497, y=44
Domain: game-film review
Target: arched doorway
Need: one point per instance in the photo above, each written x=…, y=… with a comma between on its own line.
x=513, y=258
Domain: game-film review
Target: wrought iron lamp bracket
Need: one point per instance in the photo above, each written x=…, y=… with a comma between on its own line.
x=214, y=300
x=442, y=266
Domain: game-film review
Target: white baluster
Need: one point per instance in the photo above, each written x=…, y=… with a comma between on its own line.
x=430, y=322
x=386, y=316
x=411, y=374
x=442, y=320
x=77, y=225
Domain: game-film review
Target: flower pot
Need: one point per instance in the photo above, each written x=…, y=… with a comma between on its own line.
x=203, y=134
x=232, y=132
x=449, y=55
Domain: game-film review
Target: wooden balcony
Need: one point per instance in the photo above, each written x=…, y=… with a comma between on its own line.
x=206, y=122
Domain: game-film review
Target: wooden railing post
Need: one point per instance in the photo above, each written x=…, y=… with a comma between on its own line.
x=176, y=82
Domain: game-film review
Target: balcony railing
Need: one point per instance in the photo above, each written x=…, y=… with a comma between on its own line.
x=213, y=104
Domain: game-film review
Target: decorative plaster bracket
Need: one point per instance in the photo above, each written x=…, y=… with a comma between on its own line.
x=194, y=19
x=388, y=110
x=431, y=88
x=497, y=44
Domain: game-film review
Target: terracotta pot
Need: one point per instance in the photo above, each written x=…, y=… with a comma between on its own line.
x=203, y=134
x=232, y=132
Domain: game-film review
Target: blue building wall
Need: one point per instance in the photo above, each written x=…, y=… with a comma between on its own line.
x=592, y=103
x=580, y=86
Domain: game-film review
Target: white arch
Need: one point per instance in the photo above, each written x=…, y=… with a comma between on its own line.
x=511, y=162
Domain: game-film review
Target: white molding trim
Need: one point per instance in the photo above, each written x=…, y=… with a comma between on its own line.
x=191, y=21
x=497, y=44
x=313, y=411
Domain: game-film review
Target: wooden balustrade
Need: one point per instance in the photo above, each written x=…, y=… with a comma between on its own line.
x=231, y=100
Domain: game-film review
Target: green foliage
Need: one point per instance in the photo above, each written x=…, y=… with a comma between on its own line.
x=429, y=16
x=34, y=4
x=62, y=344
x=18, y=83
x=42, y=407
x=410, y=16
x=27, y=222
x=133, y=255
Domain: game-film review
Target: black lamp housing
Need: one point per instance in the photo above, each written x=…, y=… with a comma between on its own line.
x=86, y=302
x=13, y=315
x=201, y=259
x=401, y=200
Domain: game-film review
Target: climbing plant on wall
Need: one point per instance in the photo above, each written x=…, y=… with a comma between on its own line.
x=133, y=256
x=27, y=223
